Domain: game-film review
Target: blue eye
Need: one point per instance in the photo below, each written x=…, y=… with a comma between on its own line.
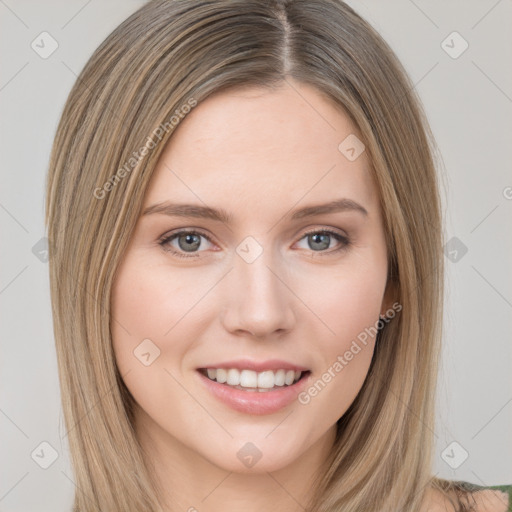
x=320, y=240
x=190, y=241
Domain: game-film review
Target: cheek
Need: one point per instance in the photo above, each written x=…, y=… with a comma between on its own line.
x=348, y=304
x=346, y=301
x=353, y=315
x=150, y=325
x=149, y=301
x=145, y=304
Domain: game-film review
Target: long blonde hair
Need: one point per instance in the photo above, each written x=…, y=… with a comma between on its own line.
x=163, y=57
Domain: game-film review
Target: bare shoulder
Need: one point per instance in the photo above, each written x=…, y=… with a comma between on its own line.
x=490, y=500
x=487, y=500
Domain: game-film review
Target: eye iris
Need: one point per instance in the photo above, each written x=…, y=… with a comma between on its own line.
x=320, y=238
x=190, y=238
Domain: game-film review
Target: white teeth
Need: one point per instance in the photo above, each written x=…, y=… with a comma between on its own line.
x=248, y=379
x=290, y=376
x=266, y=379
x=253, y=381
x=279, y=378
x=233, y=377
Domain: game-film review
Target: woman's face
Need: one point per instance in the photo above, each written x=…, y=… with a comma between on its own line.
x=243, y=265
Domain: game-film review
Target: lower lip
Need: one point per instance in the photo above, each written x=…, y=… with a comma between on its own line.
x=255, y=402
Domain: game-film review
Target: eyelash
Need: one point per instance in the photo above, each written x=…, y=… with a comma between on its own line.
x=344, y=240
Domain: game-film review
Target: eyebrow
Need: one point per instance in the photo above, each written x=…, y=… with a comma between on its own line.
x=206, y=212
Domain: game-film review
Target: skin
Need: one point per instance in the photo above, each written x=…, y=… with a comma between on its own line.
x=259, y=155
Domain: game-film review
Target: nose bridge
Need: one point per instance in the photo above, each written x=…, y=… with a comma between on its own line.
x=259, y=301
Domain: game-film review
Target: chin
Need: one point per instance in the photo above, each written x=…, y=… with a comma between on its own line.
x=258, y=454
x=252, y=460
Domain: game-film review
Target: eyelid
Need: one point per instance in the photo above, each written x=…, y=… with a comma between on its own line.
x=325, y=230
x=342, y=238
x=195, y=231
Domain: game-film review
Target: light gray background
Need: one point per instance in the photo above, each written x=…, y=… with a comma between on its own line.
x=469, y=104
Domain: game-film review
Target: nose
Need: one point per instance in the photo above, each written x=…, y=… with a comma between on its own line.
x=257, y=298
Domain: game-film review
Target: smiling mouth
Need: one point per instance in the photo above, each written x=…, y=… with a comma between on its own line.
x=249, y=380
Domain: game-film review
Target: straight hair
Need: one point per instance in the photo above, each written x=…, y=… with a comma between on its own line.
x=132, y=94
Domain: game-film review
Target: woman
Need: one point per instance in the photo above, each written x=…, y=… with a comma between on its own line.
x=246, y=267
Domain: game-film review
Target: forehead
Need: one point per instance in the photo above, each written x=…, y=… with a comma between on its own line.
x=262, y=148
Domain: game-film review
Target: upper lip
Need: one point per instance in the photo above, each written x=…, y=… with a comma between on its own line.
x=257, y=366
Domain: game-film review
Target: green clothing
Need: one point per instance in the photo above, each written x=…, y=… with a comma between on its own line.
x=508, y=490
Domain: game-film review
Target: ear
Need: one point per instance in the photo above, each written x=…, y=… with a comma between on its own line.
x=390, y=297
